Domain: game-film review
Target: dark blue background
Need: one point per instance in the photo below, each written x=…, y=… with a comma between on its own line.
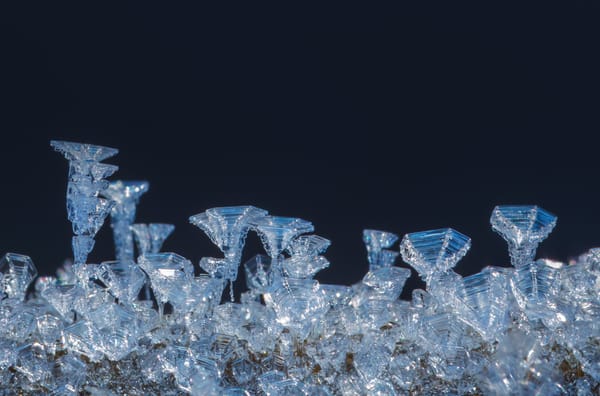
x=399, y=118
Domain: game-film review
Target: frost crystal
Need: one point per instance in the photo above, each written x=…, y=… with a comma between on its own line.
x=126, y=195
x=157, y=324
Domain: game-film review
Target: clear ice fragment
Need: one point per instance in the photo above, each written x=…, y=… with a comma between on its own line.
x=83, y=337
x=298, y=305
x=304, y=266
x=18, y=271
x=386, y=282
x=485, y=302
x=523, y=227
x=82, y=151
x=435, y=251
x=150, y=237
x=259, y=275
x=308, y=245
x=227, y=226
x=215, y=267
x=170, y=275
x=535, y=286
x=124, y=279
x=65, y=298
x=377, y=243
x=276, y=233
x=126, y=195
x=118, y=330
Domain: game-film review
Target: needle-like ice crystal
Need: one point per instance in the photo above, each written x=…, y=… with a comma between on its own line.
x=156, y=324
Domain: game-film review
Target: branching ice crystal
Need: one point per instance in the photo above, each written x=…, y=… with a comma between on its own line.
x=156, y=324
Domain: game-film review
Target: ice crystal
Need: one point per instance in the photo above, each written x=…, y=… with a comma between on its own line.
x=156, y=324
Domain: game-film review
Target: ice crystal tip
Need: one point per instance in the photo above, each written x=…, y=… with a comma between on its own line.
x=227, y=226
x=378, y=240
x=434, y=251
x=520, y=224
x=308, y=245
x=121, y=191
x=83, y=152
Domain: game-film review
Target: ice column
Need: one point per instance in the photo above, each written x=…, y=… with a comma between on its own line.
x=126, y=195
x=85, y=209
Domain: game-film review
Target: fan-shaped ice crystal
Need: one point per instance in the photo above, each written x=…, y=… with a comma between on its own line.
x=18, y=271
x=523, y=227
x=259, y=274
x=304, y=266
x=124, y=279
x=537, y=284
x=306, y=261
x=83, y=152
x=377, y=243
x=276, y=232
x=126, y=195
x=299, y=305
x=170, y=274
x=227, y=226
x=485, y=302
x=386, y=282
x=434, y=251
x=150, y=237
x=308, y=245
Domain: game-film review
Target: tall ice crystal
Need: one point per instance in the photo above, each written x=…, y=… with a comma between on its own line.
x=126, y=195
x=158, y=324
x=85, y=209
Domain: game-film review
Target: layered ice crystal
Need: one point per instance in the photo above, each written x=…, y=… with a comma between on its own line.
x=157, y=324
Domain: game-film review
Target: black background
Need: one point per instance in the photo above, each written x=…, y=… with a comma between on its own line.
x=399, y=118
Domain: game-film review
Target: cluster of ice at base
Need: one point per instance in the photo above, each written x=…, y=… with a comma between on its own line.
x=155, y=323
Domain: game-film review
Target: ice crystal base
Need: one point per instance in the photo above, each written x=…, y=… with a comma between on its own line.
x=155, y=323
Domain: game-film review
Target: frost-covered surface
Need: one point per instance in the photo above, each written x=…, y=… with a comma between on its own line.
x=156, y=325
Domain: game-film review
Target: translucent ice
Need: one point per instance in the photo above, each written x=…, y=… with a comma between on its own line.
x=150, y=237
x=523, y=227
x=435, y=251
x=529, y=329
x=18, y=271
x=377, y=243
x=126, y=195
x=276, y=233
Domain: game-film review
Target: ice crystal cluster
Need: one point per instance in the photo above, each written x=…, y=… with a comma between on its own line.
x=152, y=322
